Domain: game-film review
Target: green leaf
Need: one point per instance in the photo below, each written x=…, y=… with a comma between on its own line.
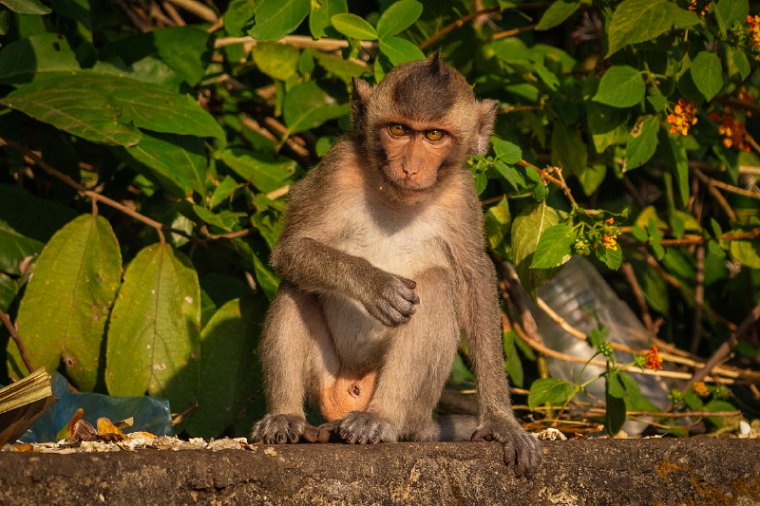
x=266, y=279
x=730, y=12
x=612, y=258
x=553, y=247
x=527, y=229
x=239, y=16
x=345, y=70
x=353, y=26
x=14, y=248
x=267, y=173
x=637, y=21
x=557, y=13
x=717, y=405
x=642, y=143
x=621, y=86
x=26, y=6
x=177, y=162
x=615, y=413
x=746, y=252
x=552, y=391
x=398, y=17
x=400, y=50
x=707, y=74
x=497, y=221
x=607, y=125
x=568, y=149
x=307, y=106
x=277, y=18
x=21, y=60
x=8, y=290
x=321, y=12
x=227, y=356
x=66, y=305
x=153, y=338
x=102, y=107
x=679, y=166
x=591, y=177
x=224, y=190
x=506, y=151
x=278, y=61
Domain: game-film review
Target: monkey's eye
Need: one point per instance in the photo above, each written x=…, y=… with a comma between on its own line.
x=434, y=135
x=398, y=130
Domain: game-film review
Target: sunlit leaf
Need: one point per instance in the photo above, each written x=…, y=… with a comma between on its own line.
x=66, y=305
x=22, y=59
x=26, y=6
x=277, y=18
x=308, y=106
x=398, y=17
x=642, y=142
x=621, y=86
x=558, y=12
x=267, y=173
x=278, y=61
x=353, y=26
x=153, y=338
x=637, y=21
x=553, y=247
x=707, y=74
x=552, y=391
x=321, y=12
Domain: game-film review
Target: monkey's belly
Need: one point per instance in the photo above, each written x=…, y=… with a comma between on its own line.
x=346, y=393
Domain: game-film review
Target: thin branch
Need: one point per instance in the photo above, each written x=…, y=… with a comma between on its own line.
x=299, y=41
x=725, y=350
x=699, y=297
x=727, y=187
x=454, y=25
x=512, y=33
x=197, y=8
x=6, y=319
x=159, y=227
x=638, y=294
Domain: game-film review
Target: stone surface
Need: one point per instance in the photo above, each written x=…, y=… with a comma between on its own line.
x=582, y=472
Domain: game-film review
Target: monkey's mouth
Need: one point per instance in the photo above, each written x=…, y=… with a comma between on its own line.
x=405, y=189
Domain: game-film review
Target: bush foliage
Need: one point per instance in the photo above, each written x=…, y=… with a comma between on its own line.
x=147, y=148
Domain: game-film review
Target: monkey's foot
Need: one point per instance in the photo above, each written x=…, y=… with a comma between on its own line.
x=280, y=429
x=361, y=427
x=522, y=451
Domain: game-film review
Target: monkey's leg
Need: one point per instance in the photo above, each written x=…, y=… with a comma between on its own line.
x=417, y=363
x=294, y=326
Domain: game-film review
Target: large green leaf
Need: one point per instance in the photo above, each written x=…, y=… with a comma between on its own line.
x=398, y=17
x=526, y=232
x=20, y=60
x=607, y=125
x=730, y=12
x=557, y=12
x=400, y=50
x=621, y=86
x=552, y=391
x=228, y=368
x=642, y=143
x=153, y=339
x=321, y=12
x=26, y=6
x=553, y=247
x=267, y=173
x=637, y=21
x=178, y=162
x=568, y=149
x=353, y=26
x=103, y=107
x=66, y=305
x=707, y=74
x=307, y=106
x=277, y=18
x=278, y=61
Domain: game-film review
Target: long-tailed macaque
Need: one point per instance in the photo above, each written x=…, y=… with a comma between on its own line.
x=383, y=266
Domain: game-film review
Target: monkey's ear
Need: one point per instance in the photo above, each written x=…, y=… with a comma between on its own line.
x=486, y=117
x=359, y=97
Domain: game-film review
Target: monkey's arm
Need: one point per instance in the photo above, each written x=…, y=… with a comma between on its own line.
x=482, y=326
x=317, y=267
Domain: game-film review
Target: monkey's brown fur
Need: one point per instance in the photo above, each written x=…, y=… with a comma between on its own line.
x=383, y=265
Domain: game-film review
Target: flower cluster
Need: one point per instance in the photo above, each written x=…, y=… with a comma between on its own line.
x=731, y=128
x=700, y=389
x=683, y=117
x=610, y=234
x=701, y=7
x=654, y=359
x=753, y=24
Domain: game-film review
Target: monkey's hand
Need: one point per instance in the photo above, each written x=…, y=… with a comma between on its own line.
x=361, y=427
x=391, y=299
x=280, y=429
x=521, y=450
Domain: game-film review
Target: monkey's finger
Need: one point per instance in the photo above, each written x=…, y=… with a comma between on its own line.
x=482, y=435
x=511, y=457
x=410, y=283
x=310, y=434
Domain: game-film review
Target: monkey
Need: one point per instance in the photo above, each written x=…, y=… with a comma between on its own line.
x=383, y=267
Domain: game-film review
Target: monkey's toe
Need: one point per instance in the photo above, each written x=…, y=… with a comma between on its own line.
x=521, y=450
x=361, y=427
x=281, y=429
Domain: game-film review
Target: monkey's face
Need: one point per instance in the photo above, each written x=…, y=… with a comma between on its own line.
x=415, y=153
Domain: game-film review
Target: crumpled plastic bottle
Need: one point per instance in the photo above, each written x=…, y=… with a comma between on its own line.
x=576, y=294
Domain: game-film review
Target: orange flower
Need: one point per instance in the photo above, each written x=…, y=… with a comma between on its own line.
x=684, y=116
x=731, y=128
x=700, y=388
x=745, y=96
x=609, y=242
x=654, y=359
x=753, y=24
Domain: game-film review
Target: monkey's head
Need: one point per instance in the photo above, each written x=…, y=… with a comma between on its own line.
x=421, y=122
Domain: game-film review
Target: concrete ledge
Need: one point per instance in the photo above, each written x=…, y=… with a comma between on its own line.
x=593, y=472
